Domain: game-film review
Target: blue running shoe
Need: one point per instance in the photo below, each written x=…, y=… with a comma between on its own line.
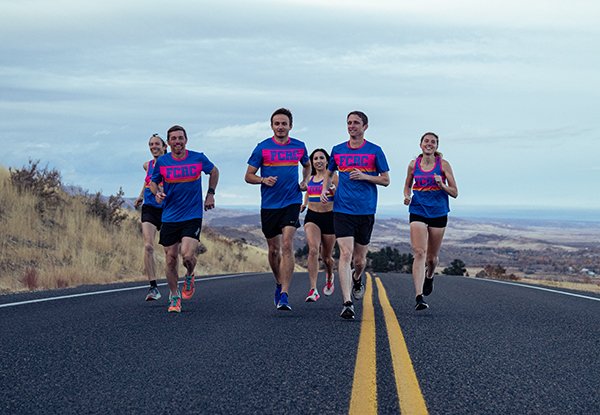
x=277, y=294
x=283, y=303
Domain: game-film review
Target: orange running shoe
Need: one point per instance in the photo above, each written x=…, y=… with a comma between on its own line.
x=175, y=304
x=188, y=287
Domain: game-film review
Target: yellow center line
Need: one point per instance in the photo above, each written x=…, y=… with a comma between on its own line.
x=364, y=385
x=409, y=393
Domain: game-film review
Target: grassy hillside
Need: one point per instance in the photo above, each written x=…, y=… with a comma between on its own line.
x=54, y=240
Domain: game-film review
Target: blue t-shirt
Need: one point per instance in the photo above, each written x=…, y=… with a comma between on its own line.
x=149, y=198
x=281, y=160
x=182, y=184
x=357, y=197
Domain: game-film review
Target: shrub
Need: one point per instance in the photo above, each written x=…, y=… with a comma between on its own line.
x=457, y=267
x=390, y=260
x=109, y=211
x=45, y=184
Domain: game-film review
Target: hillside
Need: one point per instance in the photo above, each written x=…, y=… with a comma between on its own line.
x=51, y=239
x=542, y=249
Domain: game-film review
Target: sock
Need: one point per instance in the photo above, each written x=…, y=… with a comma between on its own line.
x=153, y=284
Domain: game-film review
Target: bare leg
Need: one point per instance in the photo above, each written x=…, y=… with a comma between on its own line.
x=286, y=266
x=189, y=247
x=328, y=242
x=313, y=237
x=418, y=241
x=149, y=234
x=434, y=243
x=274, y=245
x=346, y=245
x=172, y=254
x=360, y=259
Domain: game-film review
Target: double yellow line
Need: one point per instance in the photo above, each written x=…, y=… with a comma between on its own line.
x=364, y=386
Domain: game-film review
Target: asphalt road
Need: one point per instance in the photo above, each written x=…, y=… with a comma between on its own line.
x=482, y=348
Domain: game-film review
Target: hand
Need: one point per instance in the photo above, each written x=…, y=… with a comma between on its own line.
x=269, y=181
x=438, y=179
x=160, y=196
x=356, y=175
x=325, y=196
x=138, y=202
x=209, y=201
x=303, y=185
x=407, y=200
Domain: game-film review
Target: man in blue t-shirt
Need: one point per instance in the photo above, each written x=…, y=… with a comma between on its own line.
x=362, y=166
x=278, y=157
x=180, y=173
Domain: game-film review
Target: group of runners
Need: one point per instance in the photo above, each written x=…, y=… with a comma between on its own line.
x=340, y=201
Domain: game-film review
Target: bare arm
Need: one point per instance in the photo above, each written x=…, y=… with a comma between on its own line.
x=252, y=178
x=305, y=176
x=382, y=179
x=408, y=183
x=140, y=198
x=213, y=180
x=304, y=203
x=326, y=183
x=450, y=187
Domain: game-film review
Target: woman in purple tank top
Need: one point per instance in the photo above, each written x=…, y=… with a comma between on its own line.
x=429, y=182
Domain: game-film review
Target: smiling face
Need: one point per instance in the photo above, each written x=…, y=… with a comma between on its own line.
x=429, y=144
x=319, y=161
x=157, y=146
x=281, y=126
x=177, y=141
x=356, y=126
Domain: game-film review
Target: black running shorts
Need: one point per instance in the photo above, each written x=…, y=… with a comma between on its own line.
x=358, y=226
x=439, y=222
x=324, y=220
x=152, y=214
x=274, y=220
x=174, y=232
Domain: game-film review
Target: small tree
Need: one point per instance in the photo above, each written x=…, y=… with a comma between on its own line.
x=457, y=267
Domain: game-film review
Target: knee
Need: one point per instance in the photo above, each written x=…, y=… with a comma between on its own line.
x=149, y=248
x=287, y=247
x=359, y=263
x=432, y=260
x=419, y=253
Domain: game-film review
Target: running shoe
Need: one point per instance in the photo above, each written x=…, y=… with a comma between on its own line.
x=153, y=294
x=427, y=286
x=283, y=303
x=328, y=287
x=277, y=294
x=188, y=287
x=313, y=296
x=421, y=304
x=358, y=288
x=175, y=304
x=348, y=311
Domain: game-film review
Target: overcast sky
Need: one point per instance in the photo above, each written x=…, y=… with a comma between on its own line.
x=512, y=88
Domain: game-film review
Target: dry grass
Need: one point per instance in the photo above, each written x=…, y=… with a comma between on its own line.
x=69, y=247
x=585, y=284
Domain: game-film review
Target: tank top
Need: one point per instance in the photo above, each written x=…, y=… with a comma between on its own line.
x=428, y=199
x=149, y=198
x=314, y=189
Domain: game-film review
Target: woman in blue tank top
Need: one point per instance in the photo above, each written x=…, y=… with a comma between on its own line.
x=151, y=216
x=431, y=181
x=318, y=224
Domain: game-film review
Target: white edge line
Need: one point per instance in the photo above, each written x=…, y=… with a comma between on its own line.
x=62, y=297
x=540, y=288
